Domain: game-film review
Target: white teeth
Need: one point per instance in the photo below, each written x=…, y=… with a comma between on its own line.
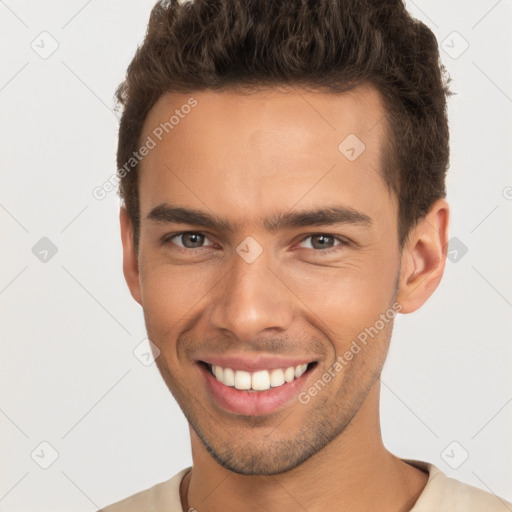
x=299, y=370
x=276, y=377
x=289, y=374
x=260, y=380
x=229, y=377
x=218, y=372
x=242, y=380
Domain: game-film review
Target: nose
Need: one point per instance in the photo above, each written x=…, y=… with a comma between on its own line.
x=251, y=298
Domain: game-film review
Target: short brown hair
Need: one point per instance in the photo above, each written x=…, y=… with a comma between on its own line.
x=326, y=45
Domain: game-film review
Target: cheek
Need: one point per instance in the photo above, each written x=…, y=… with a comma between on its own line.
x=173, y=294
x=344, y=301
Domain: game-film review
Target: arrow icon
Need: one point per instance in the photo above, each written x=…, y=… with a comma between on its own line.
x=451, y=455
x=454, y=253
x=455, y=455
x=351, y=147
x=249, y=249
x=44, y=455
x=40, y=45
x=44, y=250
x=146, y=355
x=454, y=45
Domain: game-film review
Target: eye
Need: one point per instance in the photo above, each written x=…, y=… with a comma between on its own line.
x=322, y=242
x=189, y=240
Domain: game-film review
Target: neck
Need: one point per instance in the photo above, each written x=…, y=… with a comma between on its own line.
x=354, y=472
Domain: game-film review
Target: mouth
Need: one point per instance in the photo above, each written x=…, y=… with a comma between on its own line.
x=260, y=380
x=258, y=392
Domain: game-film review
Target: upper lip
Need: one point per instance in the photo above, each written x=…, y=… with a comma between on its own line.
x=255, y=363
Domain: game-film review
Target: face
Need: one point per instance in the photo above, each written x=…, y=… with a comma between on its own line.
x=265, y=245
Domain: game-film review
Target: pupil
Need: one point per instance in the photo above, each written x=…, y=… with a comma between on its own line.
x=193, y=239
x=322, y=240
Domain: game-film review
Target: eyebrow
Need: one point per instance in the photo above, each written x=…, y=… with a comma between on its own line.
x=165, y=213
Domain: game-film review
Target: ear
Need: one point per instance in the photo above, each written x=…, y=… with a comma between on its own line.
x=130, y=262
x=424, y=257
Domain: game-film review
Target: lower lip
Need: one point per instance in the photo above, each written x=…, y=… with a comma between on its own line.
x=254, y=403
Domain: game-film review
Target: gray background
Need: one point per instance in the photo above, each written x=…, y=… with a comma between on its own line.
x=68, y=373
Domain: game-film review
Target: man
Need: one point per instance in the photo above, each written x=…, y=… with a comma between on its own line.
x=282, y=167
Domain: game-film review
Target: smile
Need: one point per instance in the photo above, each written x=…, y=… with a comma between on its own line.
x=256, y=385
x=260, y=380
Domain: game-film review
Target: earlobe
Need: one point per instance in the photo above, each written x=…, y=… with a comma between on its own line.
x=424, y=257
x=130, y=261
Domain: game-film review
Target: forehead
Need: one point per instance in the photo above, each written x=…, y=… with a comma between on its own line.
x=283, y=111
x=268, y=147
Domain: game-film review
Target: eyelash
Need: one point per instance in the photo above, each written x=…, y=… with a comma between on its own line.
x=342, y=241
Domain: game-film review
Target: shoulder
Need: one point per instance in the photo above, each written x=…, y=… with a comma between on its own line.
x=445, y=494
x=162, y=496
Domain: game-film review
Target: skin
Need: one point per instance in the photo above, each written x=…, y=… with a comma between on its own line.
x=243, y=158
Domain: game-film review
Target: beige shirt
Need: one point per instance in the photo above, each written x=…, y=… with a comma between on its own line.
x=441, y=494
